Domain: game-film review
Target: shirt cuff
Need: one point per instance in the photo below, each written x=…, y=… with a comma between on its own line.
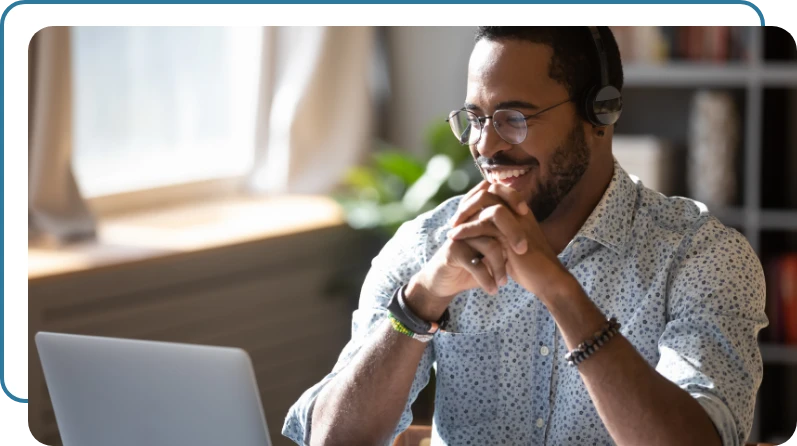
x=721, y=417
x=299, y=421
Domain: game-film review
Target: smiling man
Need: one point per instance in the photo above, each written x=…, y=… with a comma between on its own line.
x=560, y=301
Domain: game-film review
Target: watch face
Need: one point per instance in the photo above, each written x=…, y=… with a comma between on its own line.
x=423, y=337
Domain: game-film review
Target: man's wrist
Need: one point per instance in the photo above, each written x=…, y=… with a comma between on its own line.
x=562, y=285
x=422, y=303
x=572, y=309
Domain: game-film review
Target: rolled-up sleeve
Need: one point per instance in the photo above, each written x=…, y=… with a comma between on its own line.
x=715, y=311
x=397, y=262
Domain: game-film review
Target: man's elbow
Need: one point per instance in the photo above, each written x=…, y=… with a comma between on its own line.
x=335, y=437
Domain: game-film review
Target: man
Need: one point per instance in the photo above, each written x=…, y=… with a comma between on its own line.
x=529, y=265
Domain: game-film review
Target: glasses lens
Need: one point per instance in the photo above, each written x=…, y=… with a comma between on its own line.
x=510, y=125
x=465, y=125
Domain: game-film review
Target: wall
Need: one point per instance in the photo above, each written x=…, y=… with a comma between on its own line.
x=428, y=67
x=283, y=300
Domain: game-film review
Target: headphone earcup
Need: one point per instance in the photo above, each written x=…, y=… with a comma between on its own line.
x=587, y=105
x=603, y=105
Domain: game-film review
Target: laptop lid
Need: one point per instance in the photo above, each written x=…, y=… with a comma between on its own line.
x=109, y=391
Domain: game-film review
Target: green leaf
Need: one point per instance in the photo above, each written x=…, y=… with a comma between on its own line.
x=442, y=142
x=437, y=172
x=359, y=177
x=399, y=164
x=398, y=186
x=366, y=181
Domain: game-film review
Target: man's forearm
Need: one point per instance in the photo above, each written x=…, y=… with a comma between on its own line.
x=637, y=404
x=364, y=402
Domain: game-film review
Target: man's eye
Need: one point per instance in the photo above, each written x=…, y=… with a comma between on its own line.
x=516, y=122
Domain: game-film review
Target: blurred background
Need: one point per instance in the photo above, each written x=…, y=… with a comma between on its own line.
x=229, y=186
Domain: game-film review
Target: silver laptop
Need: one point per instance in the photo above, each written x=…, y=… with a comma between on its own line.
x=121, y=392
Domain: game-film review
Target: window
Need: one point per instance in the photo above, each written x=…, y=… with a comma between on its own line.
x=158, y=106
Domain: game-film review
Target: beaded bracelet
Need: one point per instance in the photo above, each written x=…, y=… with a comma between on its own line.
x=401, y=328
x=590, y=346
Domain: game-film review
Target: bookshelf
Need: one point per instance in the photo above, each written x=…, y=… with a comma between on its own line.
x=763, y=82
x=779, y=354
x=732, y=74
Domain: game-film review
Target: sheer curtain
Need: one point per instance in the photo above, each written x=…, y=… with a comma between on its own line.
x=316, y=110
x=56, y=209
x=310, y=121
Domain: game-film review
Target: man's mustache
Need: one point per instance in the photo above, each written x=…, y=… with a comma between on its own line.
x=502, y=161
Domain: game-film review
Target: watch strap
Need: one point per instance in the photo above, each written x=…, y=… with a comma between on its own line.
x=399, y=309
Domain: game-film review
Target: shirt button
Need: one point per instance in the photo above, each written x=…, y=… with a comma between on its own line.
x=540, y=422
x=544, y=351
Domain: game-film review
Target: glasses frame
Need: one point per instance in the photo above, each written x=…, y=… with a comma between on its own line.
x=483, y=119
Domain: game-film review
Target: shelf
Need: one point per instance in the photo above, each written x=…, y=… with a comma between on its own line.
x=733, y=74
x=770, y=220
x=779, y=220
x=779, y=354
x=734, y=217
x=779, y=75
x=686, y=75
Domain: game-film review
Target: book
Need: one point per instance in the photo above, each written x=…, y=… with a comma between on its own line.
x=648, y=158
x=774, y=332
x=661, y=44
x=781, y=304
x=787, y=282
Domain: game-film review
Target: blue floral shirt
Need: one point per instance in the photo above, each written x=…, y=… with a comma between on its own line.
x=688, y=291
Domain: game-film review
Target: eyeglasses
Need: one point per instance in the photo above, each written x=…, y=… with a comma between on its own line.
x=511, y=125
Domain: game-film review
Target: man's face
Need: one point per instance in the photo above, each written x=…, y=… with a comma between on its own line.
x=554, y=155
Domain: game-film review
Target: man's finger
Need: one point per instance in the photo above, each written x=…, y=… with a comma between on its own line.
x=463, y=254
x=473, y=205
x=511, y=197
x=483, y=185
x=493, y=257
x=491, y=195
x=497, y=222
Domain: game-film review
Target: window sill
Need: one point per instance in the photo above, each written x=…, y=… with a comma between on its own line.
x=176, y=230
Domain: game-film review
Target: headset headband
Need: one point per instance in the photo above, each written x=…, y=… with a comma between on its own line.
x=596, y=37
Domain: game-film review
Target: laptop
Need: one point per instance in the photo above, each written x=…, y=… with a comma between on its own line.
x=122, y=392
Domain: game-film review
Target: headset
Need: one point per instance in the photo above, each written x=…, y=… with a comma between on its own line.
x=603, y=103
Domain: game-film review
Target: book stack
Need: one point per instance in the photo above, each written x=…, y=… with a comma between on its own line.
x=648, y=158
x=661, y=44
x=781, y=306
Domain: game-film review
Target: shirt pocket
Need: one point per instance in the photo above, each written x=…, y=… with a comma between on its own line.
x=467, y=375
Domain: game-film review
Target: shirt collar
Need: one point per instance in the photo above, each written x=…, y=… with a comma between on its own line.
x=610, y=222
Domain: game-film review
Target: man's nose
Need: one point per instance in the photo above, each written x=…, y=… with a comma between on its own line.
x=491, y=142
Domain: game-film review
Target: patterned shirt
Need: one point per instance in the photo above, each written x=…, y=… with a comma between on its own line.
x=688, y=291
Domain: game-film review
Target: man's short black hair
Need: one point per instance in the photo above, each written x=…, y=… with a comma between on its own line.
x=575, y=62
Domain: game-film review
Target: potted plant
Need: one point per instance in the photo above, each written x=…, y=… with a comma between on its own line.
x=396, y=186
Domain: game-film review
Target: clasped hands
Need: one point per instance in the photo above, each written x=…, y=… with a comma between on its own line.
x=495, y=224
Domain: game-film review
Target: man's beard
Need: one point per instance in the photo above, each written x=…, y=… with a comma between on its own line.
x=567, y=166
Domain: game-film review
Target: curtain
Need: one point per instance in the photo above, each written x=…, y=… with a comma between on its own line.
x=56, y=209
x=315, y=118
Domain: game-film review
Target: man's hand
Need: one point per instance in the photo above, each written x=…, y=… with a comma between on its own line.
x=452, y=270
x=488, y=212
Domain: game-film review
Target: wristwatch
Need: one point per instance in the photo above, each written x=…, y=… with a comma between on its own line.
x=401, y=312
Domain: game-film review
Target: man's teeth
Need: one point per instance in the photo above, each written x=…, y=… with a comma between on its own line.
x=508, y=174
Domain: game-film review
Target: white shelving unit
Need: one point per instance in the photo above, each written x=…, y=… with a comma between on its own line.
x=731, y=75
x=750, y=77
x=753, y=76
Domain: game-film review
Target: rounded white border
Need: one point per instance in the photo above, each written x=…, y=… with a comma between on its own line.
x=23, y=21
